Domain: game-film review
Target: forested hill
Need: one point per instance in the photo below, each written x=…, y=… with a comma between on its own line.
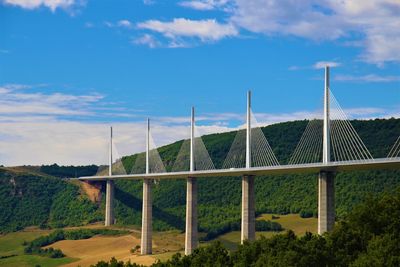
x=30, y=198
x=33, y=198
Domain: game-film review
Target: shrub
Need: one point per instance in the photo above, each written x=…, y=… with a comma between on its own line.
x=306, y=214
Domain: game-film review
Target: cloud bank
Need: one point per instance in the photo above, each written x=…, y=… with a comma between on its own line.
x=44, y=128
x=32, y=4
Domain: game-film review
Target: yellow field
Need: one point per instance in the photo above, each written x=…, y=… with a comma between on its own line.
x=289, y=222
x=165, y=244
x=95, y=249
x=90, y=251
x=294, y=222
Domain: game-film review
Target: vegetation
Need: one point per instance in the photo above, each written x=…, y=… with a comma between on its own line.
x=31, y=199
x=69, y=171
x=34, y=260
x=369, y=236
x=261, y=225
x=12, y=250
x=35, y=246
x=34, y=199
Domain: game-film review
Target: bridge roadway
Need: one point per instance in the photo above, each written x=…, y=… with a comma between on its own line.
x=375, y=164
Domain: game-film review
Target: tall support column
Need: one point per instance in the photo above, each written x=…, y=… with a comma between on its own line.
x=109, y=218
x=326, y=202
x=248, y=200
x=191, y=234
x=146, y=241
x=248, y=209
x=109, y=203
x=326, y=186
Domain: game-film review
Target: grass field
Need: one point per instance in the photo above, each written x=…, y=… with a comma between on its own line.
x=291, y=221
x=11, y=245
x=294, y=222
x=33, y=260
x=90, y=251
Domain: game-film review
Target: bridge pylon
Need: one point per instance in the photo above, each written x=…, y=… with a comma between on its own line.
x=191, y=233
x=147, y=220
x=248, y=229
x=326, y=179
x=109, y=214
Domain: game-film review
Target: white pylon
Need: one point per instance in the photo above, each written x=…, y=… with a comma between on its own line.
x=248, y=131
x=192, y=164
x=148, y=147
x=326, y=158
x=111, y=152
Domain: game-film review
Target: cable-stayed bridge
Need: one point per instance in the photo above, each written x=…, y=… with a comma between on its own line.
x=329, y=144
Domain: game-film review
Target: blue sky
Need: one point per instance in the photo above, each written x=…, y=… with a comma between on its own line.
x=70, y=68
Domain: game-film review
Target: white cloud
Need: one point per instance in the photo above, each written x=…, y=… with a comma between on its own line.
x=148, y=40
x=15, y=101
x=317, y=65
x=205, y=30
x=74, y=142
x=360, y=113
x=199, y=5
x=13, y=86
x=32, y=4
x=374, y=22
x=379, y=21
x=366, y=78
x=67, y=142
x=45, y=128
x=124, y=23
x=204, y=4
x=323, y=64
x=4, y=90
x=287, y=17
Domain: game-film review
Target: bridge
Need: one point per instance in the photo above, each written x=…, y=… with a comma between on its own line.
x=327, y=146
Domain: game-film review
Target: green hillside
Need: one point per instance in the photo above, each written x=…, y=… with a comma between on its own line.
x=31, y=198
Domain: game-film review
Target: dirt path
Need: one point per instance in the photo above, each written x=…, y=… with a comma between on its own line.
x=90, y=251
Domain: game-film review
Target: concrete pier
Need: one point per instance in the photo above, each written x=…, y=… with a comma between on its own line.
x=146, y=241
x=109, y=220
x=191, y=234
x=248, y=209
x=326, y=202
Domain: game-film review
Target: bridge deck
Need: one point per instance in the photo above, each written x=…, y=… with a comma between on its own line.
x=376, y=164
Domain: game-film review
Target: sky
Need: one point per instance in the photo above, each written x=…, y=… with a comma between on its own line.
x=70, y=69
